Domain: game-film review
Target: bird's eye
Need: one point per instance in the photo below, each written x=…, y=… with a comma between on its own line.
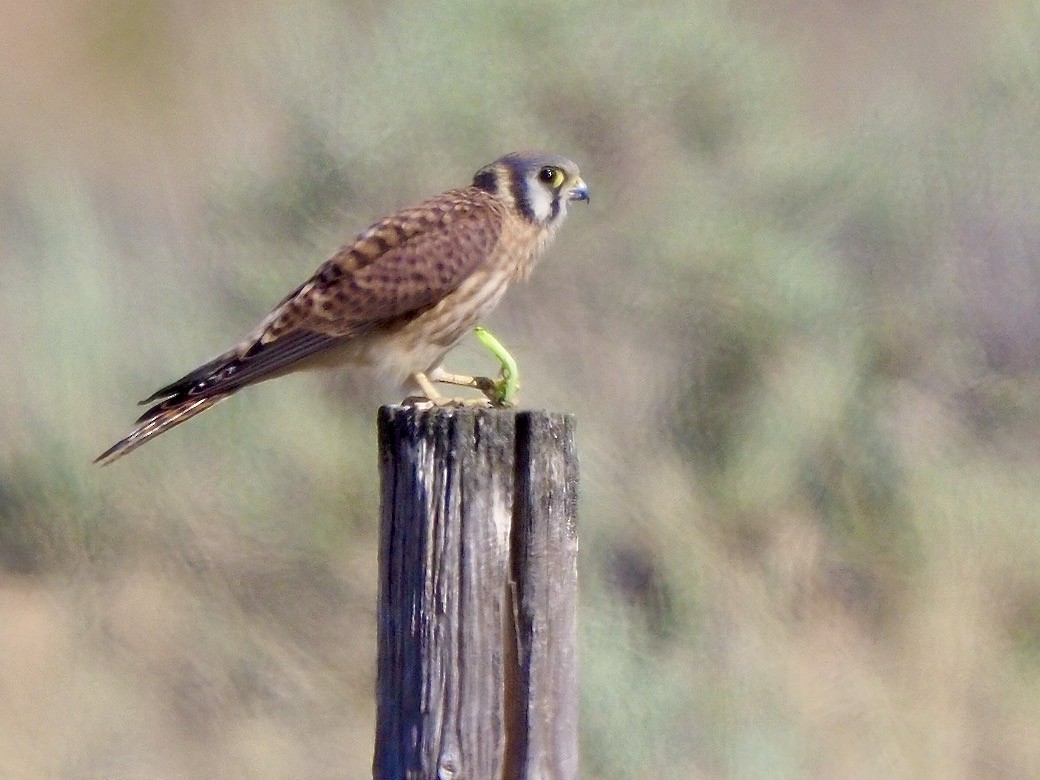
x=551, y=176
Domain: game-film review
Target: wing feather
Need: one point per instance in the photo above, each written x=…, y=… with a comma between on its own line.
x=232, y=370
x=397, y=268
x=404, y=264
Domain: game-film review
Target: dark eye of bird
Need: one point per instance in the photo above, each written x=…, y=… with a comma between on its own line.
x=547, y=175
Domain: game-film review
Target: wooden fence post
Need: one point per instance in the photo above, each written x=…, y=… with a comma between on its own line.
x=477, y=662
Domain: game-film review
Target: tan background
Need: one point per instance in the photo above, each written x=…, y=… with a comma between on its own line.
x=799, y=325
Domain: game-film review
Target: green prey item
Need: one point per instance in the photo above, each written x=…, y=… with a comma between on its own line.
x=505, y=388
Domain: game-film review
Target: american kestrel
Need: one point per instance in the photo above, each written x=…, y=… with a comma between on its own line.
x=399, y=297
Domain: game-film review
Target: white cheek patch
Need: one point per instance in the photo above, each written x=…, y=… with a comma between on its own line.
x=541, y=202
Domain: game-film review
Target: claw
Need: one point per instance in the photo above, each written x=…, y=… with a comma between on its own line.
x=424, y=404
x=497, y=392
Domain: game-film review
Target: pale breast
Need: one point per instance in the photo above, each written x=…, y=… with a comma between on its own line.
x=419, y=343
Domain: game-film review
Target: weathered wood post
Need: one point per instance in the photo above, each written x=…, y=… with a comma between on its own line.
x=477, y=665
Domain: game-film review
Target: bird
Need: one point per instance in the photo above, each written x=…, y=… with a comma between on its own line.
x=398, y=297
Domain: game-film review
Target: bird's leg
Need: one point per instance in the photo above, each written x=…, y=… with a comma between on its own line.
x=434, y=397
x=481, y=383
x=500, y=392
x=503, y=392
x=427, y=387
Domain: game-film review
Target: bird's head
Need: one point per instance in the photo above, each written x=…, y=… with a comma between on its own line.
x=537, y=184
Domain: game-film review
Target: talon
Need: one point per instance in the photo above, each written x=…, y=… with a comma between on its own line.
x=497, y=393
x=418, y=402
x=493, y=390
x=445, y=402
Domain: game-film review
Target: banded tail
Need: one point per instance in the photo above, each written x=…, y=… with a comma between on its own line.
x=159, y=419
x=216, y=380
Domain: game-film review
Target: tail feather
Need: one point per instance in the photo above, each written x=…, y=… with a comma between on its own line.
x=159, y=419
x=216, y=380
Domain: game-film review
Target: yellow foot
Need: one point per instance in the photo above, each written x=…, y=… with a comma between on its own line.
x=500, y=392
x=432, y=398
x=489, y=387
x=444, y=402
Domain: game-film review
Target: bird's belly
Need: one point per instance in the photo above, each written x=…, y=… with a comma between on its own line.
x=419, y=344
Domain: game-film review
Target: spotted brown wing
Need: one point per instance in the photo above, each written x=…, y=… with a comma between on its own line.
x=399, y=266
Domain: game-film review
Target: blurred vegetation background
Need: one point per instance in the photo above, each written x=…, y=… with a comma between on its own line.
x=799, y=326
